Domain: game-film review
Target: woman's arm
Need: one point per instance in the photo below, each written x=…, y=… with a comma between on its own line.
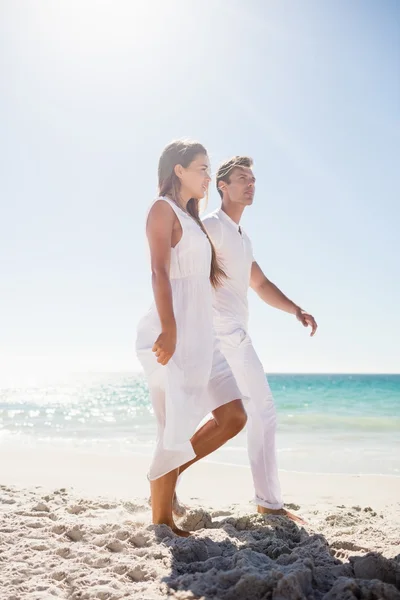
x=160, y=228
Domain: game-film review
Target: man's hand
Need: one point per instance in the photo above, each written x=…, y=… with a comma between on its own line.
x=306, y=320
x=273, y=296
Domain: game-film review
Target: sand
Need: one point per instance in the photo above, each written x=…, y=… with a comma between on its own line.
x=91, y=537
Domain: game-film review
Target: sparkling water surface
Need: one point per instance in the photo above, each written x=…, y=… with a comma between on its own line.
x=326, y=423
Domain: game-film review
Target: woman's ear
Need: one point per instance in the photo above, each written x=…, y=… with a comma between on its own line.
x=178, y=170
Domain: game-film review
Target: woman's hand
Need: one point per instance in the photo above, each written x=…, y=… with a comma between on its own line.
x=164, y=346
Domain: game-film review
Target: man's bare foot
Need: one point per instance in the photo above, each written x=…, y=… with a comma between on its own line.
x=281, y=512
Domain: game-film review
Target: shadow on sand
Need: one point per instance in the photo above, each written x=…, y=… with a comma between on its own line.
x=255, y=557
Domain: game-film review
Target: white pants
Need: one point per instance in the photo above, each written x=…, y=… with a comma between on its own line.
x=261, y=416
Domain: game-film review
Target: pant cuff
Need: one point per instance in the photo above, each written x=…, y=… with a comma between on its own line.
x=265, y=504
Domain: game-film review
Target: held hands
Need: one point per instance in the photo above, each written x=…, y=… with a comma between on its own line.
x=164, y=346
x=306, y=320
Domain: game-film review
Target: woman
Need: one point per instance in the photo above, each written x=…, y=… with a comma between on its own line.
x=188, y=376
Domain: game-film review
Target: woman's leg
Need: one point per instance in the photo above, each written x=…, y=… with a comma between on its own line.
x=162, y=492
x=162, y=488
x=228, y=420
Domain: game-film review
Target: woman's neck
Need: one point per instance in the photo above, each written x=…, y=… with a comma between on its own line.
x=182, y=199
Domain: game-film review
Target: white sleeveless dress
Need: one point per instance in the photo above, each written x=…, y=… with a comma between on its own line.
x=197, y=379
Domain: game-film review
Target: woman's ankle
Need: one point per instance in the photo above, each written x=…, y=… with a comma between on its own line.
x=164, y=521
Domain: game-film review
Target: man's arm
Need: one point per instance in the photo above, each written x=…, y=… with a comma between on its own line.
x=269, y=292
x=273, y=296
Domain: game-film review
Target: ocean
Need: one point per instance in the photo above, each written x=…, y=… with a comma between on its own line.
x=326, y=423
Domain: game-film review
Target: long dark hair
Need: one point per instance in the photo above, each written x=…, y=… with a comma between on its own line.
x=183, y=152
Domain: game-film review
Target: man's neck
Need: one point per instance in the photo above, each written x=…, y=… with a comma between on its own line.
x=234, y=211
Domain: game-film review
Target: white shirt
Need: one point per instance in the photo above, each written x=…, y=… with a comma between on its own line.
x=235, y=255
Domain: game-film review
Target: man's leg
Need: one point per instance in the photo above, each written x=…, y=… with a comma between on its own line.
x=261, y=423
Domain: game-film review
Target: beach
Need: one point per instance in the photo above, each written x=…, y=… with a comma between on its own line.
x=77, y=525
x=75, y=519
x=275, y=127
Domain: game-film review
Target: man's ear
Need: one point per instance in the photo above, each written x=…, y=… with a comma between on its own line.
x=222, y=186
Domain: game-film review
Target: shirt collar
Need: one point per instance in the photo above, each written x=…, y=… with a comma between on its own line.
x=229, y=220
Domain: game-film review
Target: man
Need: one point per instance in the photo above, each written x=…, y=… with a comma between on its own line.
x=236, y=186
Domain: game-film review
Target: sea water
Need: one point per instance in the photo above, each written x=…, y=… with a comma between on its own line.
x=326, y=423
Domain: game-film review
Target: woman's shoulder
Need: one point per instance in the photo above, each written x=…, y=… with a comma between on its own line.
x=163, y=208
x=161, y=204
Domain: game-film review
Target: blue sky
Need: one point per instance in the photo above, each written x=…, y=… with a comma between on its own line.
x=90, y=94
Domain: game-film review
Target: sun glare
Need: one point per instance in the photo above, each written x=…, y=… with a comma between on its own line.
x=105, y=26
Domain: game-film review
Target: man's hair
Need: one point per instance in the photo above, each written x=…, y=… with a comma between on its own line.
x=225, y=170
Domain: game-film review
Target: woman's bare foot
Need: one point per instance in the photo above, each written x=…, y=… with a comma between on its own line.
x=181, y=532
x=175, y=529
x=281, y=512
x=178, y=509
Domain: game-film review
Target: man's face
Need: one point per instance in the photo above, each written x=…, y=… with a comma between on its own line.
x=241, y=186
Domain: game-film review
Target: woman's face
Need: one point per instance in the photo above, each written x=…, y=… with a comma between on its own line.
x=195, y=178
